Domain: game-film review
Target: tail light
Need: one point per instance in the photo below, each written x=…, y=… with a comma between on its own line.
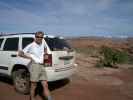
x=48, y=60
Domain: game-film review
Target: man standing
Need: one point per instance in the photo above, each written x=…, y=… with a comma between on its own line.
x=35, y=51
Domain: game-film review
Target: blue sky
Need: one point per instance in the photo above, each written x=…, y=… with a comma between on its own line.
x=68, y=17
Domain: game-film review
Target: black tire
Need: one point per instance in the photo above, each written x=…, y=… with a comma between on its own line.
x=21, y=81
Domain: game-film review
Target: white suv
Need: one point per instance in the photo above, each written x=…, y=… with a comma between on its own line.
x=60, y=63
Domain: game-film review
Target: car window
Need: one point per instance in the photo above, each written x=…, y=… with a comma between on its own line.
x=1, y=40
x=26, y=41
x=11, y=44
x=57, y=43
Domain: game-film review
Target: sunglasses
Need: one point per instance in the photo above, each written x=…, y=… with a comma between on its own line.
x=39, y=37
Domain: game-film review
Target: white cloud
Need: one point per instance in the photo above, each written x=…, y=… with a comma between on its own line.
x=17, y=16
x=70, y=16
x=104, y=4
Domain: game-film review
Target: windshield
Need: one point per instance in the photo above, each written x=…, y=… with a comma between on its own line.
x=57, y=44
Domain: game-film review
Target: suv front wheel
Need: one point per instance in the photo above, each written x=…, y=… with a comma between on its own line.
x=21, y=80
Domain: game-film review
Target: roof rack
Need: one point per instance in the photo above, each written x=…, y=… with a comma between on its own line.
x=15, y=34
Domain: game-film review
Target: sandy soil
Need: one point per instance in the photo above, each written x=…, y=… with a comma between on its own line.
x=88, y=83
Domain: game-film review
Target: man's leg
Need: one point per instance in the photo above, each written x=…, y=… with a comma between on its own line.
x=32, y=90
x=46, y=91
x=34, y=76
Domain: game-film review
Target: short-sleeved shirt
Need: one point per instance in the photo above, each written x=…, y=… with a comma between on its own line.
x=35, y=51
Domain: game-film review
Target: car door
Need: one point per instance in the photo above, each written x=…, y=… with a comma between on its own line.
x=8, y=52
x=1, y=56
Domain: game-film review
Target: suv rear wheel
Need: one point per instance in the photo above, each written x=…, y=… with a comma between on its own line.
x=21, y=80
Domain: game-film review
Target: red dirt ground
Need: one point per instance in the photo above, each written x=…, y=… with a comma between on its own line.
x=89, y=83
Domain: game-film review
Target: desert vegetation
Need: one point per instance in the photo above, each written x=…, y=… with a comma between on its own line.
x=110, y=52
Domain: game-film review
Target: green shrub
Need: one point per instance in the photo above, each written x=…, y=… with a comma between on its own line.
x=130, y=61
x=111, y=57
x=99, y=64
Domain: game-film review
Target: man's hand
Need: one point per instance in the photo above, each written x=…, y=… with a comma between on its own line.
x=45, y=56
x=20, y=53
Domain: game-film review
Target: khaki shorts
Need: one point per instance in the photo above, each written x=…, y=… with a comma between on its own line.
x=37, y=72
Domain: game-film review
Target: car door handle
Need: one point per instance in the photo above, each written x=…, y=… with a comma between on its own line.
x=13, y=55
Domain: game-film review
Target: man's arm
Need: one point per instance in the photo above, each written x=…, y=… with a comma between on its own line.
x=28, y=56
x=21, y=54
x=45, y=50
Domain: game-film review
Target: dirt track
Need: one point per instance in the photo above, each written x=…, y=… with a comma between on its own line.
x=89, y=83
